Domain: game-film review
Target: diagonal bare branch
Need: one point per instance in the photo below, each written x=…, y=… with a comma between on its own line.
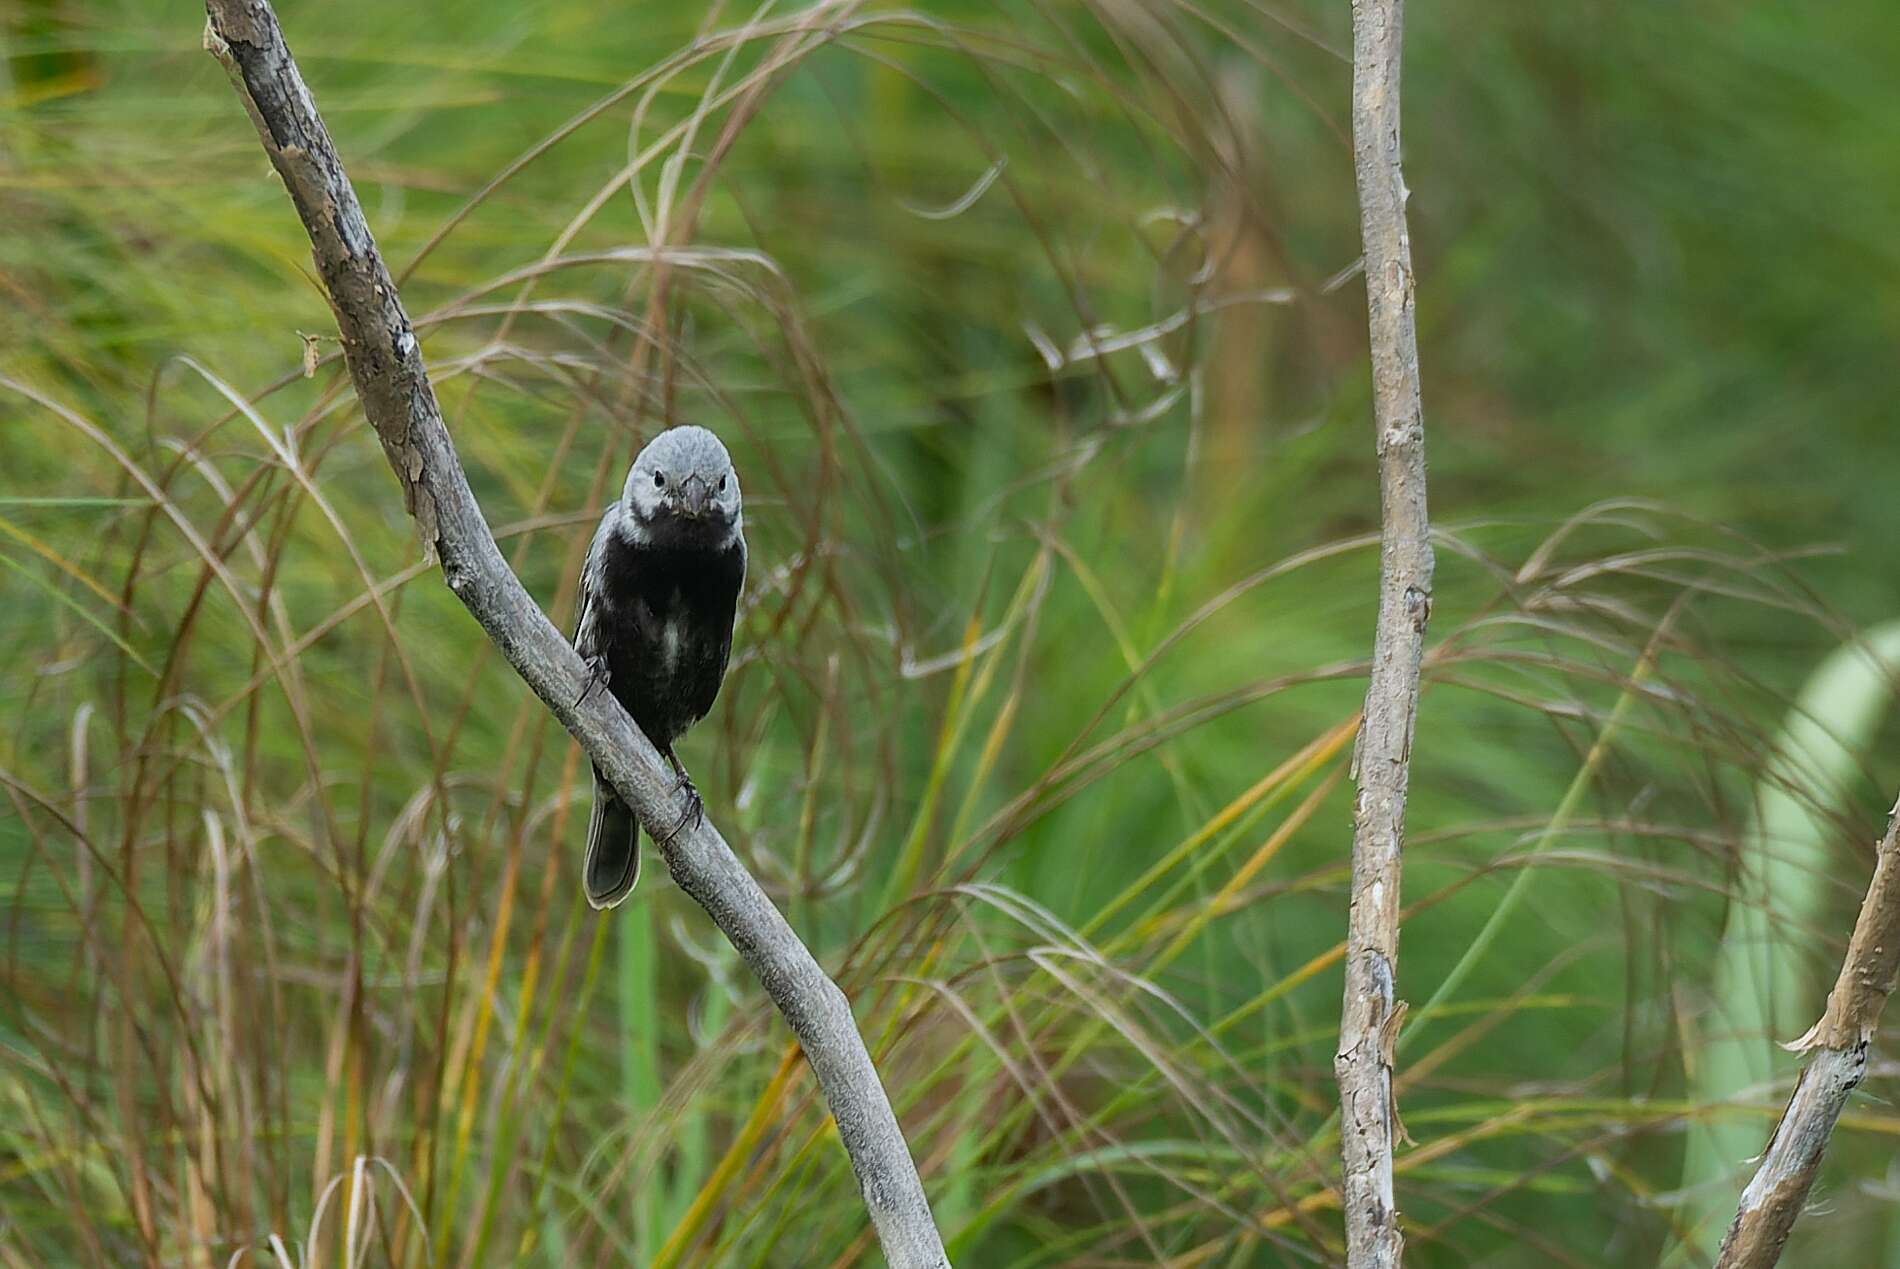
x=1372, y=1014
x=385, y=363
x=1837, y=1046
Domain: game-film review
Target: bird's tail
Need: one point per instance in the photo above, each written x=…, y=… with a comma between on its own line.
x=613, y=849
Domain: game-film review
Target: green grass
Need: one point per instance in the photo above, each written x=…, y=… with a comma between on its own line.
x=1042, y=704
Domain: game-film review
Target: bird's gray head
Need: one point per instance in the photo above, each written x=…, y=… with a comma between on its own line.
x=684, y=475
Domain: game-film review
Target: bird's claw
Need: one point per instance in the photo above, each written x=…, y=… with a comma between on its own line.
x=695, y=811
x=595, y=677
x=691, y=818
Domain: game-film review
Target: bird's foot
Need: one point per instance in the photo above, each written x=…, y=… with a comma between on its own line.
x=595, y=677
x=695, y=805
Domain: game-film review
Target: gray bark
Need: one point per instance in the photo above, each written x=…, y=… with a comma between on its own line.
x=1372, y=1014
x=1838, y=1044
x=386, y=364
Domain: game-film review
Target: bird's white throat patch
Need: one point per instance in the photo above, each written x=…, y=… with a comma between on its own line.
x=631, y=531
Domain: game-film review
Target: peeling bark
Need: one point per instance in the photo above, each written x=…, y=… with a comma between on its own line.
x=1372, y=1012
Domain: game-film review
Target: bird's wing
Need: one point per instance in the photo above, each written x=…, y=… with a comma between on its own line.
x=729, y=574
x=739, y=590
x=588, y=629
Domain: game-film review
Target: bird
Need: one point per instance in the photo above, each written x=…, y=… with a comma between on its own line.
x=659, y=594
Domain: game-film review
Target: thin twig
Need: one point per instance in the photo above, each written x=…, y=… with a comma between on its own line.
x=386, y=365
x=1838, y=1047
x=1372, y=1014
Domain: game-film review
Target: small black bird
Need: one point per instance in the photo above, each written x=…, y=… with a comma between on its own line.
x=658, y=594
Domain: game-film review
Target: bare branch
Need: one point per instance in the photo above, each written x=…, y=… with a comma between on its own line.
x=1372, y=1014
x=1838, y=1044
x=386, y=365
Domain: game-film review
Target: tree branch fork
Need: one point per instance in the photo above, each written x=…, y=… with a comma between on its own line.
x=1837, y=1047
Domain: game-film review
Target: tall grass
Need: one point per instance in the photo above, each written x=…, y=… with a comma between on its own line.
x=1026, y=325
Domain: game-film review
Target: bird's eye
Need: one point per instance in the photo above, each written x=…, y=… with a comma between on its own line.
x=659, y=481
x=722, y=484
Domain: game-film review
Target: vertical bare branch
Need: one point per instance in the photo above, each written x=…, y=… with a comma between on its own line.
x=1838, y=1045
x=386, y=365
x=1371, y=1016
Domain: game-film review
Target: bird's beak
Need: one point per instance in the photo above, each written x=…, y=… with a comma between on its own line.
x=693, y=497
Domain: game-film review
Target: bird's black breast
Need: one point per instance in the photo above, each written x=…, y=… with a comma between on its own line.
x=668, y=628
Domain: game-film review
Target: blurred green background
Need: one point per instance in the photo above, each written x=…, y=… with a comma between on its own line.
x=1034, y=333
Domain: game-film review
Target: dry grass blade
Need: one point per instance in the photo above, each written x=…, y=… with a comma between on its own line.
x=1026, y=325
